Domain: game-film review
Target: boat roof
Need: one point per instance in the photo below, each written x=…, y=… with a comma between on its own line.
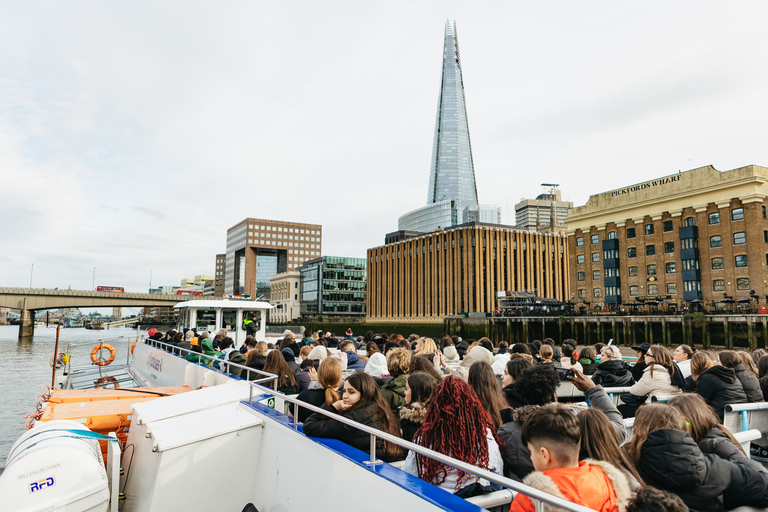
x=224, y=303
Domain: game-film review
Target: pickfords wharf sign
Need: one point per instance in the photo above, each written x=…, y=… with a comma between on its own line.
x=647, y=184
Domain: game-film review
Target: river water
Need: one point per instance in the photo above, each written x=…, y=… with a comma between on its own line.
x=25, y=370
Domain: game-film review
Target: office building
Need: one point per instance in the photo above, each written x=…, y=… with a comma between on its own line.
x=333, y=286
x=285, y=294
x=546, y=213
x=699, y=235
x=257, y=249
x=219, y=275
x=452, y=187
x=461, y=270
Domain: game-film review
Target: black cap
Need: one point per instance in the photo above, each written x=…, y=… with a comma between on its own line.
x=642, y=348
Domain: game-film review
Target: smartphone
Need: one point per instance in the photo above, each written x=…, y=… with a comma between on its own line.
x=565, y=374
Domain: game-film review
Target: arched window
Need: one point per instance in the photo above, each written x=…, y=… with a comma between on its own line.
x=690, y=221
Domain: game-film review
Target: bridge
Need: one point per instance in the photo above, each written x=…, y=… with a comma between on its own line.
x=29, y=300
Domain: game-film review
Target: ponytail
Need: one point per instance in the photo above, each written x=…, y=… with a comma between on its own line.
x=331, y=396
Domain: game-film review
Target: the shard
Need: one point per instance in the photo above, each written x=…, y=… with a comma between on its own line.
x=452, y=194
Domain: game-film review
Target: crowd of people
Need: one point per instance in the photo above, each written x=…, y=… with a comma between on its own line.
x=496, y=407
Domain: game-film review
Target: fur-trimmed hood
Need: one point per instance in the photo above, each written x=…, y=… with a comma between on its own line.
x=521, y=413
x=618, y=478
x=414, y=412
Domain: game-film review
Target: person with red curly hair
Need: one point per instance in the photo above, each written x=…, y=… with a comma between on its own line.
x=456, y=425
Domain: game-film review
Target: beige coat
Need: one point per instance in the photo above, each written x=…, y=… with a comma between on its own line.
x=658, y=384
x=472, y=357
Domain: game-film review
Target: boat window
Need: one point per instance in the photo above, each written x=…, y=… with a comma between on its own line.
x=206, y=319
x=229, y=319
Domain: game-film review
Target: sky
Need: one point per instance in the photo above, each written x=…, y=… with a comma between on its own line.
x=134, y=134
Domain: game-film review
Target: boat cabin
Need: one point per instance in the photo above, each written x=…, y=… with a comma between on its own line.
x=212, y=315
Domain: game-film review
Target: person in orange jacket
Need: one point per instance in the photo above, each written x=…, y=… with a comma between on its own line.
x=553, y=437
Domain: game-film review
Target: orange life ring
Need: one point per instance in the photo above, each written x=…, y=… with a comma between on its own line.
x=133, y=346
x=96, y=354
x=107, y=380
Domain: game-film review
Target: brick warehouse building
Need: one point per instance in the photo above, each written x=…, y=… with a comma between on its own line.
x=696, y=235
x=461, y=269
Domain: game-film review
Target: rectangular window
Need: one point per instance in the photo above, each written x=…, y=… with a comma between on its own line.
x=718, y=285
x=737, y=214
x=669, y=247
x=742, y=283
x=691, y=286
x=667, y=226
x=653, y=289
x=671, y=288
x=717, y=263
x=580, y=276
x=651, y=270
x=579, y=241
x=739, y=238
x=631, y=252
x=714, y=218
x=597, y=293
x=741, y=261
x=632, y=271
x=611, y=272
x=634, y=290
x=579, y=259
x=765, y=236
x=610, y=254
x=595, y=239
x=670, y=267
x=596, y=257
x=595, y=275
x=689, y=243
x=714, y=241
x=630, y=232
x=690, y=264
x=650, y=250
x=649, y=229
x=582, y=293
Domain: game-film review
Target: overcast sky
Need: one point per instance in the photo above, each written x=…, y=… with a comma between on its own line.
x=134, y=134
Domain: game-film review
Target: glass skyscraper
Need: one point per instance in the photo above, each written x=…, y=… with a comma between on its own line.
x=452, y=186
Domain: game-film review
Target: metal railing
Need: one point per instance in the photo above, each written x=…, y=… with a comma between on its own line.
x=538, y=497
x=173, y=349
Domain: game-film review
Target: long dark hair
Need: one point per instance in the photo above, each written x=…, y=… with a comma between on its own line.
x=699, y=417
x=455, y=424
x=276, y=365
x=424, y=364
x=423, y=386
x=599, y=441
x=483, y=382
x=370, y=394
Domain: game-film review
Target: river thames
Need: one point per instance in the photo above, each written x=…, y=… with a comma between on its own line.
x=25, y=370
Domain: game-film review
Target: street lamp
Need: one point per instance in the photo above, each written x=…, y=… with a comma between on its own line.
x=93, y=285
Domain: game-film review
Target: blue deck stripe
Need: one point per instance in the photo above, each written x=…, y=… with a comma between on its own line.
x=431, y=493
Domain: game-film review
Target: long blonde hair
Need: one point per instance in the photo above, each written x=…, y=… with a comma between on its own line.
x=427, y=346
x=329, y=378
x=650, y=418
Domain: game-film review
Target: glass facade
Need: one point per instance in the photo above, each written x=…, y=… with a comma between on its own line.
x=452, y=172
x=442, y=214
x=333, y=285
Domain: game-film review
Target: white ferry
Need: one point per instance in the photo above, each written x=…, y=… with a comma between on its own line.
x=159, y=433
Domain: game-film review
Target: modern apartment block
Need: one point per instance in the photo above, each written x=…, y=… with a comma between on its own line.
x=257, y=249
x=462, y=269
x=699, y=235
x=333, y=286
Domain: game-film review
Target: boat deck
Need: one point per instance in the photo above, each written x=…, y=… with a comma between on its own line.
x=111, y=376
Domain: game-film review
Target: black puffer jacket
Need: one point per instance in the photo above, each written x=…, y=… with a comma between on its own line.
x=671, y=460
x=614, y=373
x=514, y=399
x=319, y=425
x=718, y=443
x=719, y=387
x=750, y=383
x=517, y=457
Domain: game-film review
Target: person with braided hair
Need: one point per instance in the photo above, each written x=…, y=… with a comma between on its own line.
x=456, y=425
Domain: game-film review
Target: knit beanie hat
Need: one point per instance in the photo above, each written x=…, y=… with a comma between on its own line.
x=377, y=366
x=341, y=357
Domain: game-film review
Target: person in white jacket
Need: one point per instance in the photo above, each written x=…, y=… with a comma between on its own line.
x=658, y=379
